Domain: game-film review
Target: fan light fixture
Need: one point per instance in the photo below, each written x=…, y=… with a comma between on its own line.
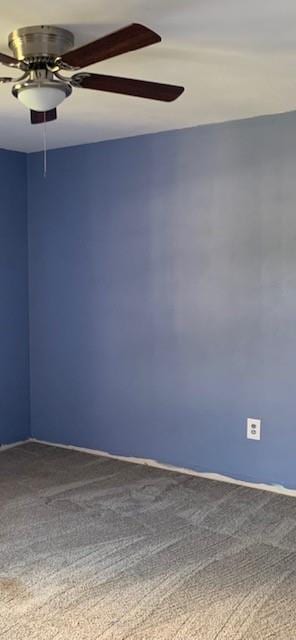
x=42, y=97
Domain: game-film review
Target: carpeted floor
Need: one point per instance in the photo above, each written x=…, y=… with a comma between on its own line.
x=92, y=548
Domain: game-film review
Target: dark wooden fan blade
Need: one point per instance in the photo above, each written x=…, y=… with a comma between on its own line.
x=128, y=86
x=37, y=117
x=9, y=61
x=130, y=38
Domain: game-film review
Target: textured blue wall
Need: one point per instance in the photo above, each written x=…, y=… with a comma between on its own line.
x=163, y=297
x=14, y=331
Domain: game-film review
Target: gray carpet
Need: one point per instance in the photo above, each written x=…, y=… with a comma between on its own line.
x=92, y=548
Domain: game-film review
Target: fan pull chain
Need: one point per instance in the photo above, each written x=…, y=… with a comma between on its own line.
x=44, y=149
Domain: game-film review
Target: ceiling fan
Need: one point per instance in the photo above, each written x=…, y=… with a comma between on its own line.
x=43, y=52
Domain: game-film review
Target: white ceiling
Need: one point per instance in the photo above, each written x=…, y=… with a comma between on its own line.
x=236, y=59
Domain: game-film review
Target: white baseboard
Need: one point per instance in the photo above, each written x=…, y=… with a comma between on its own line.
x=274, y=488
x=4, y=447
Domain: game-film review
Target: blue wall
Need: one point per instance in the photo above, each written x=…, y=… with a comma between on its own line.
x=163, y=297
x=14, y=331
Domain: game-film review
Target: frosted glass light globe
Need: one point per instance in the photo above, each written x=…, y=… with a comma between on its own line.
x=41, y=98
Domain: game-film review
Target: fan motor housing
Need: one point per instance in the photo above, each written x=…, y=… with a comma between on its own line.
x=40, y=41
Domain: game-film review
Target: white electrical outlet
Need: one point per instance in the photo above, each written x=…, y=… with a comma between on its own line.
x=254, y=428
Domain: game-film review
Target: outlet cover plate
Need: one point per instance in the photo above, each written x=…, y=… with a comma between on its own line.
x=254, y=428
